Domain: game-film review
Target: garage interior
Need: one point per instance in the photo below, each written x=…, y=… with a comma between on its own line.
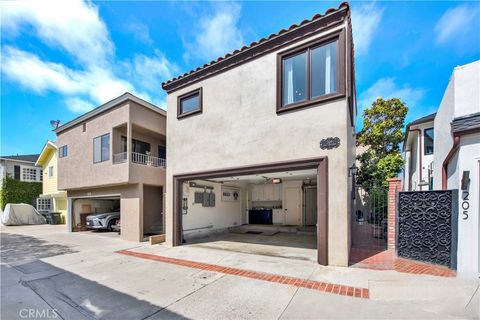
x=271, y=214
x=83, y=207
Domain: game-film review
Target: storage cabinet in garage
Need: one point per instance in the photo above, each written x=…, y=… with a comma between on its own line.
x=266, y=192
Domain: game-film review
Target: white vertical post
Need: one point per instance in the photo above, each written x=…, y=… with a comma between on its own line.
x=69, y=214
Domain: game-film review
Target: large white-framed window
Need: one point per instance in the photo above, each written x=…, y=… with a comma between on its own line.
x=29, y=174
x=44, y=204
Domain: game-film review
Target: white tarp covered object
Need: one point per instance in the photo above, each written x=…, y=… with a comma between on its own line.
x=18, y=214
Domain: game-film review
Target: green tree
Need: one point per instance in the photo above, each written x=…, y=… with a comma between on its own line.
x=381, y=136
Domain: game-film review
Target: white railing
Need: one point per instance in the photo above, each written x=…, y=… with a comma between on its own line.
x=144, y=159
x=120, y=157
x=140, y=158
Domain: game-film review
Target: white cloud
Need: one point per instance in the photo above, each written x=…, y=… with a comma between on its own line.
x=78, y=105
x=140, y=31
x=76, y=28
x=217, y=34
x=455, y=22
x=387, y=88
x=32, y=73
x=365, y=20
x=100, y=85
x=150, y=69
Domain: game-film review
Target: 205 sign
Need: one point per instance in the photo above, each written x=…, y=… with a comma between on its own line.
x=465, y=204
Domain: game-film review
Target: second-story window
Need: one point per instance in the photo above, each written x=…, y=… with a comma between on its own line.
x=63, y=151
x=428, y=141
x=189, y=103
x=101, y=148
x=29, y=174
x=311, y=73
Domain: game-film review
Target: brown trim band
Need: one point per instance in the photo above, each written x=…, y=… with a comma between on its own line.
x=312, y=163
x=329, y=21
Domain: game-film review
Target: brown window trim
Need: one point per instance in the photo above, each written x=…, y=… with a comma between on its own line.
x=198, y=91
x=338, y=36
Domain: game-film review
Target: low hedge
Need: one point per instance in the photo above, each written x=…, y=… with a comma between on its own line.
x=14, y=191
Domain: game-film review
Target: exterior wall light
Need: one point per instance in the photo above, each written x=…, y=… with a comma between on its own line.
x=352, y=171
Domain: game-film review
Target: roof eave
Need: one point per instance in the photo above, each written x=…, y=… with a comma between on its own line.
x=108, y=105
x=181, y=81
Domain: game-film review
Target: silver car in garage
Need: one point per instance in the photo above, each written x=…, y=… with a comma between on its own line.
x=103, y=221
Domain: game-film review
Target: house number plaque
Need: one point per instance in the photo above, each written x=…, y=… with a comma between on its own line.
x=330, y=143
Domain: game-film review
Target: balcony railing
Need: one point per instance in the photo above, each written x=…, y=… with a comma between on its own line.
x=140, y=158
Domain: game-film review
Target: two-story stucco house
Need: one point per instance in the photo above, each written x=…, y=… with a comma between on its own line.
x=418, y=151
x=51, y=199
x=265, y=136
x=113, y=159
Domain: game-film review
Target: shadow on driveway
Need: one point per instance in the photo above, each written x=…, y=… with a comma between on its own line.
x=53, y=292
x=17, y=248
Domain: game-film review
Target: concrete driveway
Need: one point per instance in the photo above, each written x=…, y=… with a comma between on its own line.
x=48, y=273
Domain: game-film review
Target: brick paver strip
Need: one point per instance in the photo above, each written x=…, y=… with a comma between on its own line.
x=297, y=282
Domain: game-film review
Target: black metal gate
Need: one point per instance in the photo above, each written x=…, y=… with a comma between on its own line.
x=427, y=226
x=369, y=220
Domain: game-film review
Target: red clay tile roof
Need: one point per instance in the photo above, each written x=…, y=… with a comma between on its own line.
x=343, y=5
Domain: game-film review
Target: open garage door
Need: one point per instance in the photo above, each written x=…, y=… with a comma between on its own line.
x=96, y=213
x=277, y=210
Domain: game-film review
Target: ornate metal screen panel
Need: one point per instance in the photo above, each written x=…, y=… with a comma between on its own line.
x=427, y=227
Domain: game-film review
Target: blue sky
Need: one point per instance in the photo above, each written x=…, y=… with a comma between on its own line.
x=59, y=60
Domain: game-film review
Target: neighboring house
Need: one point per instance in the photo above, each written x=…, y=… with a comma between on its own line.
x=113, y=159
x=418, y=149
x=457, y=158
x=265, y=135
x=51, y=199
x=21, y=167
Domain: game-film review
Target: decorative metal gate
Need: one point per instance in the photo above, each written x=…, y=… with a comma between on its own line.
x=427, y=224
x=369, y=218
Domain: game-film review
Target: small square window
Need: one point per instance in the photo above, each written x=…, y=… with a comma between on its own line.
x=189, y=103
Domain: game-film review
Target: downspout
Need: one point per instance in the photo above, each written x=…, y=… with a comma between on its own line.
x=420, y=151
x=451, y=153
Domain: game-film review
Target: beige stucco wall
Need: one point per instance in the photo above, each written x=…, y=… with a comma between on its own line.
x=82, y=178
x=131, y=207
x=239, y=126
x=77, y=170
x=201, y=220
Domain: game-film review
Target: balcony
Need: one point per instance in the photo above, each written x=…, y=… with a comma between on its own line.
x=139, y=158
